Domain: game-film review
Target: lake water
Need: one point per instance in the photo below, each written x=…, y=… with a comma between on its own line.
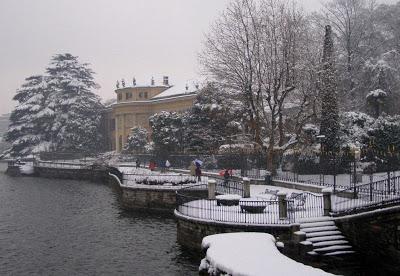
x=62, y=227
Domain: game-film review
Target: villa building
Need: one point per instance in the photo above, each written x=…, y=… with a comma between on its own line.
x=136, y=103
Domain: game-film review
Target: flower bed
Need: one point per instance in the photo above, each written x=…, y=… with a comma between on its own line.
x=173, y=180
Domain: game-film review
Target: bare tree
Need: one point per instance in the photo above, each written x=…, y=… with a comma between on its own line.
x=256, y=50
x=353, y=22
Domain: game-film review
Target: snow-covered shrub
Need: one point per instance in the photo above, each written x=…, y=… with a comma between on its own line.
x=137, y=140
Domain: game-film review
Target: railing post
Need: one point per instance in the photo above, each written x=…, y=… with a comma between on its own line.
x=326, y=194
x=282, y=204
x=211, y=188
x=246, y=187
x=370, y=186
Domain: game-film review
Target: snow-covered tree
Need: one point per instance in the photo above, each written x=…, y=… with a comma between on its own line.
x=213, y=120
x=30, y=120
x=167, y=131
x=328, y=89
x=376, y=99
x=137, y=140
x=77, y=109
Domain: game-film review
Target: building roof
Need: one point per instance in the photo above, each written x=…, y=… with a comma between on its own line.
x=176, y=90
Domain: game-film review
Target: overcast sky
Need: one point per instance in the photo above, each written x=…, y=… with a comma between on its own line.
x=119, y=38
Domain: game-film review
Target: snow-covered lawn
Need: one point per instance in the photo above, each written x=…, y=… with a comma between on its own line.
x=250, y=254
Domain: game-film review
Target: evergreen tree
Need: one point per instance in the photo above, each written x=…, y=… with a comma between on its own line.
x=137, y=140
x=77, y=108
x=30, y=120
x=212, y=120
x=328, y=90
x=167, y=131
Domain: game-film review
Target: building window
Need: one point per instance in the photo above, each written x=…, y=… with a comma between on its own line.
x=119, y=97
x=129, y=95
x=141, y=95
x=145, y=95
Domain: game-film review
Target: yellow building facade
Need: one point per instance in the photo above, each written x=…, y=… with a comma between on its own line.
x=136, y=103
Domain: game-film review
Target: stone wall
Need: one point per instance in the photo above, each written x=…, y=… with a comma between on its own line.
x=152, y=198
x=93, y=175
x=190, y=232
x=376, y=235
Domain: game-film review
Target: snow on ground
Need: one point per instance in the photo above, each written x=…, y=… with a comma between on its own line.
x=250, y=254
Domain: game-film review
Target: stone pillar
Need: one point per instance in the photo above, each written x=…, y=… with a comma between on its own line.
x=326, y=194
x=211, y=188
x=299, y=236
x=246, y=187
x=282, y=205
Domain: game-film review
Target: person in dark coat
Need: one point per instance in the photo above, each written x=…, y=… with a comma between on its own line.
x=198, y=173
x=226, y=176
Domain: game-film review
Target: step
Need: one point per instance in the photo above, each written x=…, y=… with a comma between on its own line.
x=323, y=234
x=329, y=243
x=317, y=219
x=333, y=248
x=316, y=224
x=336, y=253
x=326, y=238
x=312, y=253
x=319, y=229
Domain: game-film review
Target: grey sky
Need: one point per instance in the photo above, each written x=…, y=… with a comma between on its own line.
x=120, y=38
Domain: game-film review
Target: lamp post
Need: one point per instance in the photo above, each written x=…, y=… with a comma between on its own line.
x=357, y=155
x=320, y=140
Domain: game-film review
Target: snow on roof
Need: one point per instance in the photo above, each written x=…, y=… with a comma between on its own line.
x=181, y=89
x=250, y=254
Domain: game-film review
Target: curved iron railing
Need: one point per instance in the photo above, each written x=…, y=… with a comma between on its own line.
x=367, y=196
x=190, y=202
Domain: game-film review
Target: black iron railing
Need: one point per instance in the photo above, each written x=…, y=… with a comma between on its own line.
x=229, y=187
x=367, y=196
x=306, y=205
x=62, y=165
x=248, y=211
x=322, y=182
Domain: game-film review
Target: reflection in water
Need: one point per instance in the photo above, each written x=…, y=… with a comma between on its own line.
x=61, y=227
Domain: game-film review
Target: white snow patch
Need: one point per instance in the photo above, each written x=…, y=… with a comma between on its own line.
x=250, y=254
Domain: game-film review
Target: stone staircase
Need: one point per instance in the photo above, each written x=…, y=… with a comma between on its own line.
x=325, y=237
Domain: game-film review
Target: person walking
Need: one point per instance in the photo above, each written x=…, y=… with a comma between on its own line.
x=226, y=176
x=198, y=173
x=152, y=165
x=167, y=165
x=192, y=168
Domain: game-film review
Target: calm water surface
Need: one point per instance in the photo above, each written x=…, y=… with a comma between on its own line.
x=62, y=227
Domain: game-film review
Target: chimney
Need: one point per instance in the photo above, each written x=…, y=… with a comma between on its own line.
x=134, y=81
x=165, y=80
x=152, y=81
